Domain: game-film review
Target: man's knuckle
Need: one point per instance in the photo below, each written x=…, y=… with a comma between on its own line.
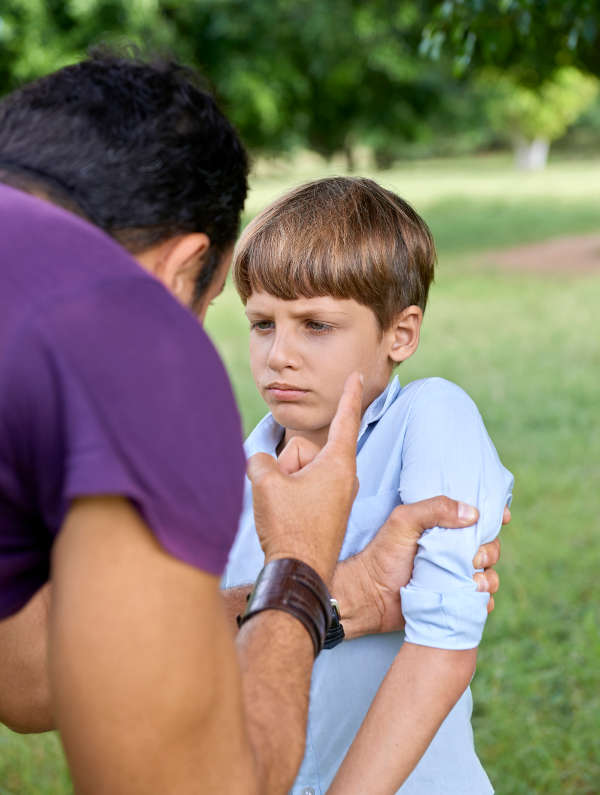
x=446, y=505
x=438, y=510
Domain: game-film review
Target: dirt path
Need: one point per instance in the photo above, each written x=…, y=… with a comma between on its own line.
x=576, y=255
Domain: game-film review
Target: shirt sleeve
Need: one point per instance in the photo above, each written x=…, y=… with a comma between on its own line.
x=149, y=414
x=447, y=451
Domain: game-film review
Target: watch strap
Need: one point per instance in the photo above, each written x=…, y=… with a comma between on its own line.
x=292, y=586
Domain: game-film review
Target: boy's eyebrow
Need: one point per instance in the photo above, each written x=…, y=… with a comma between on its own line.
x=301, y=311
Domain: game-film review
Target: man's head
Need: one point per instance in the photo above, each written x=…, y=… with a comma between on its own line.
x=137, y=148
x=335, y=277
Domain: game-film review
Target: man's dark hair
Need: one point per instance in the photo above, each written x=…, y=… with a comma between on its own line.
x=137, y=147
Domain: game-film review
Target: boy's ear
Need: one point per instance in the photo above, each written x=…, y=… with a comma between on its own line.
x=404, y=333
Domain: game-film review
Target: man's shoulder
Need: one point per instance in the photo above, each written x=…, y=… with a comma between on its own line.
x=49, y=256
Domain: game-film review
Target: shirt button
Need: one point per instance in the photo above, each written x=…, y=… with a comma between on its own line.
x=308, y=791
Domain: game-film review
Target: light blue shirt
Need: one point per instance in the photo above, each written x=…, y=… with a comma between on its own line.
x=415, y=442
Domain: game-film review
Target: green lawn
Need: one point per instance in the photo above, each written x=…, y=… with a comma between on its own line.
x=526, y=348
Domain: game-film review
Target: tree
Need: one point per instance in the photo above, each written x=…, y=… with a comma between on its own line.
x=533, y=38
x=288, y=72
x=533, y=118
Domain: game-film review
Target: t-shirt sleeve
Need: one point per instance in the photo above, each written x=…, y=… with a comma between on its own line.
x=447, y=451
x=148, y=413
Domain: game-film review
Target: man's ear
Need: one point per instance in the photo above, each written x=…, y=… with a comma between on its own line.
x=404, y=333
x=181, y=263
x=176, y=262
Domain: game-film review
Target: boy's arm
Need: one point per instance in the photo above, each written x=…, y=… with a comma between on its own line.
x=446, y=449
x=417, y=693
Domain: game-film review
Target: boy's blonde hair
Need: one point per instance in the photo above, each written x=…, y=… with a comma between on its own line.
x=342, y=236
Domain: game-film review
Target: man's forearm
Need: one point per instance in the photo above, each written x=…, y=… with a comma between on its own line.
x=235, y=600
x=276, y=658
x=361, y=612
x=359, y=606
x=24, y=685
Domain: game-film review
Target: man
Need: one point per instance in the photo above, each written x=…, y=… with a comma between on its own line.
x=119, y=439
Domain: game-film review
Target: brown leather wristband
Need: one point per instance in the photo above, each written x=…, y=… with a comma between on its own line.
x=296, y=588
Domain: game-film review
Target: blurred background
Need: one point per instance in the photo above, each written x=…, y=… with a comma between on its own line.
x=486, y=117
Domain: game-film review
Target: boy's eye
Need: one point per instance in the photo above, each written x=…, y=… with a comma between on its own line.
x=318, y=327
x=261, y=325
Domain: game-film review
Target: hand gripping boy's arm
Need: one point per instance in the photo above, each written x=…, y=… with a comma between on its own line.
x=367, y=586
x=446, y=450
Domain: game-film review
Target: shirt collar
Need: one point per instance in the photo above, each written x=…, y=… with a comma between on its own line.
x=267, y=434
x=379, y=406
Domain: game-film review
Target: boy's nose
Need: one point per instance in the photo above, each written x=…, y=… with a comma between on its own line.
x=283, y=353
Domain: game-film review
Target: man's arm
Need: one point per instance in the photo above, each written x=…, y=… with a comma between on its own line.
x=145, y=685
x=24, y=688
x=370, y=604
x=145, y=682
x=367, y=586
x=147, y=691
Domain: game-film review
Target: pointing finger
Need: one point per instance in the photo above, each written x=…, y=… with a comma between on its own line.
x=343, y=431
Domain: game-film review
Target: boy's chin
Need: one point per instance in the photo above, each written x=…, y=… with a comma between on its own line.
x=297, y=419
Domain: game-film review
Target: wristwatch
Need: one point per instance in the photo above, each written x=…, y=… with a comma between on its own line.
x=335, y=633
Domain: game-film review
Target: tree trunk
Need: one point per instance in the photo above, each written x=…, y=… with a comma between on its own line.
x=350, y=159
x=531, y=155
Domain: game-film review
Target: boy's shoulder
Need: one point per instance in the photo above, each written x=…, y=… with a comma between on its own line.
x=435, y=391
x=435, y=406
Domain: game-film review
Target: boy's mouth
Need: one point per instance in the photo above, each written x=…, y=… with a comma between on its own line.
x=281, y=391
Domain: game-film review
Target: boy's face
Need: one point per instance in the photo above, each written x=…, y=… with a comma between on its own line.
x=302, y=351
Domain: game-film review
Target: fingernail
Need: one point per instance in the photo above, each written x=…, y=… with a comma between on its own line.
x=362, y=379
x=466, y=513
x=480, y=560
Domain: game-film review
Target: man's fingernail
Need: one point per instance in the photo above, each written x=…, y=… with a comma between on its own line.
x=480, y=560
x=466, y=513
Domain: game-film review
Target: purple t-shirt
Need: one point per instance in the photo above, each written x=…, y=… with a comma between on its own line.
x=107, y=386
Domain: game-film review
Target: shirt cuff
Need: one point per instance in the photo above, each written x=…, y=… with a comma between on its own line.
x=444, y=620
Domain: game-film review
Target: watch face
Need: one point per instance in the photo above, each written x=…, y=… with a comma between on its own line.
x=335, y=633
x=335, y=610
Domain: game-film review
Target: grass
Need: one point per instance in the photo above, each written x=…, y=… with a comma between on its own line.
x=526, y=348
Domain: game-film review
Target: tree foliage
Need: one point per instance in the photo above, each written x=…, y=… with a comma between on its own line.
x=545, y=112
x=321, y=75
x=531, y=38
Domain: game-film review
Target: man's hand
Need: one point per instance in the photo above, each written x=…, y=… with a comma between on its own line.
x=367, y=586
x=486, y=558
x=301, y=503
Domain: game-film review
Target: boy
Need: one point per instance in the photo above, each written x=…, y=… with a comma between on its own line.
x=335, y=277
